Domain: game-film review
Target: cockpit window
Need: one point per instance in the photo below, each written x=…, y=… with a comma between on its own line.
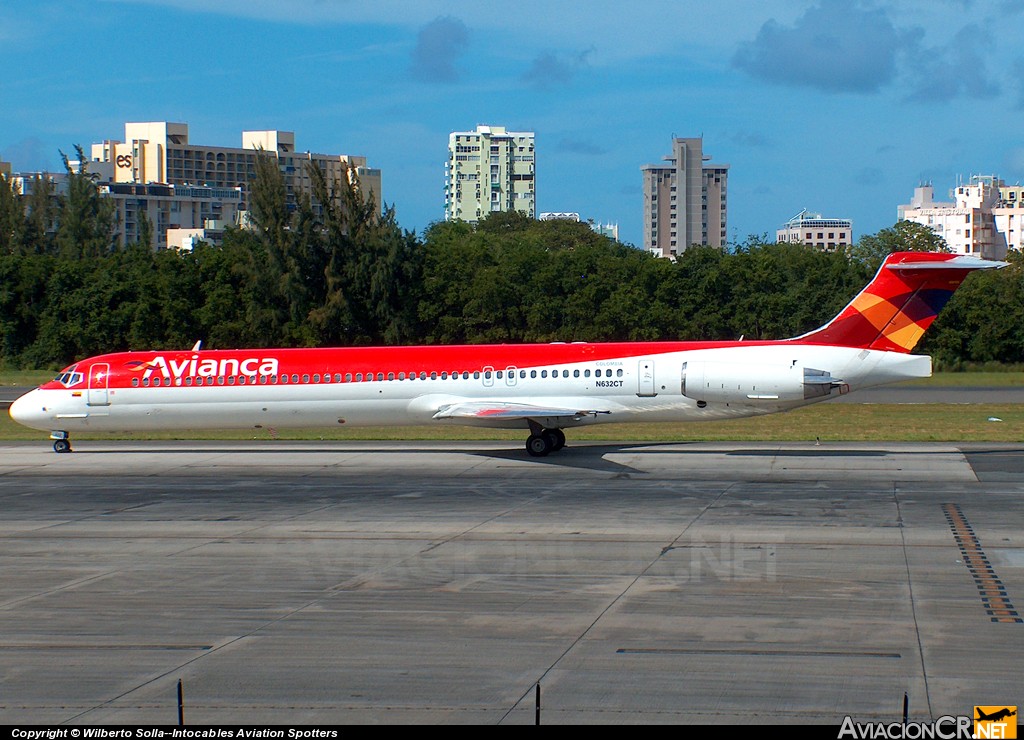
x=70, y=377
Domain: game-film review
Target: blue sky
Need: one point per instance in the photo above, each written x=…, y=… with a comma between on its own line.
x=838, y=106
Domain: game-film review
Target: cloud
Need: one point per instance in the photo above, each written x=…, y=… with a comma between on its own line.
x=869, y=176
x=1015, y=161
x=29, y=155
x=439, y=45
x=581, y=147
x=752, y=139
x=1017, y=75
x=836, y=46
x=550, y=70
x=953, y=70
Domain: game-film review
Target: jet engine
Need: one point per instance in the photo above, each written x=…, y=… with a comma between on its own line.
x=726, y=382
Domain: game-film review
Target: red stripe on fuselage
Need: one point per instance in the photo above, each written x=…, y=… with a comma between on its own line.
x=429, y=359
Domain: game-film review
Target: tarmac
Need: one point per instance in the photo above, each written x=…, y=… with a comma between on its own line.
x=440, y=583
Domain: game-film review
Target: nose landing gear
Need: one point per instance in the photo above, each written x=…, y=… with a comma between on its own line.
x=61, y=442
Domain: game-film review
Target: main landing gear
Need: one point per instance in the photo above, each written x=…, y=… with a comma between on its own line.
x=61, y=442
x=544, y=441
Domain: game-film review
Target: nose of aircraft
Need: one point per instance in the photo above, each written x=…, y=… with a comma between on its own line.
x=29, y=411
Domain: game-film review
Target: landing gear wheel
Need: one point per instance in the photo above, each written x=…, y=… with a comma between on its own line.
x=559, y=439
x=539, y=445
x=62, y=445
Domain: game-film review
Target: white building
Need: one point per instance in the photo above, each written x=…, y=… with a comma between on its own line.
x=977, y=222
x=808, y=228
x=489, y=170
x=685, y=200
x=611, y=230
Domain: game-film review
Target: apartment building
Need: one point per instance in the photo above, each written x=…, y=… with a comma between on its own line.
x=977, y=222
x=489, y=170
x=685, y=200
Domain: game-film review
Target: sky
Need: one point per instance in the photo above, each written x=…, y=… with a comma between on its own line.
x=841, y=107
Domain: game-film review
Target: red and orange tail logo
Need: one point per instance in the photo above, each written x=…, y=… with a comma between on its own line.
x=902, y=301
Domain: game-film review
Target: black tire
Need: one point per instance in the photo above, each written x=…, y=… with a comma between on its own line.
x=538, y=445
x=558, y=439
x=62, y=445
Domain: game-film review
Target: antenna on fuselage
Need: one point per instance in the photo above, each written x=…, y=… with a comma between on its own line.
x=198, y=346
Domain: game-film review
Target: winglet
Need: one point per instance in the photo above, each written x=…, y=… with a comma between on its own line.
x=900, y=303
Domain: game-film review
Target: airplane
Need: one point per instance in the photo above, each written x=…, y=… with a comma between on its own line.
x=542, y=388
x=995, y=716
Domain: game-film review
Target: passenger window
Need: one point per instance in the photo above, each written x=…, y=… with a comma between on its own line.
x=565, y=373
x=380, y=376
x=444, y=375
x=476, y=375
x=401, y=376
x=359, y=377
x=391, y=376
x=337, y=377
x=533, y=373
x=305, y=378
x=135, y=382
x=145, y=382
x=231, y=380
x=316, y=377
x=543, y=373
x=498, y=374
x=348, y=377
x=586, y=373
x=619, y=372
x=295, y=378
x=575, y=373
x=220, y=380
x=423, y=375
x=465, y=375
x=433, y=376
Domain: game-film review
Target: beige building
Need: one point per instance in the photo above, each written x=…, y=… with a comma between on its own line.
x=160, y=152
x=685, y=200
x=170, y=208
x=489, y=170
x=828, y=234
x=978, y=221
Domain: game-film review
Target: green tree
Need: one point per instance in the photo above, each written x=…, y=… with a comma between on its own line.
x=12, y=218
x=85, y=219
x=904, y=236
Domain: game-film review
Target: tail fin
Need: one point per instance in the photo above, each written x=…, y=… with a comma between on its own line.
x=902, y=300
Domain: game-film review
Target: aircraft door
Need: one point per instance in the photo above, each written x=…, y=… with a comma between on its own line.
x=97, y=393
x=645, y=379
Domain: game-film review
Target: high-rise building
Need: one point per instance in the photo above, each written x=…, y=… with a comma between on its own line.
x=808, y=228
x=489, y=170
x=980, y=221
x=685, y=200
x=160, y=153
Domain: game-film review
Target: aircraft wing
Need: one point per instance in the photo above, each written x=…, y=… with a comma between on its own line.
x=506, y=411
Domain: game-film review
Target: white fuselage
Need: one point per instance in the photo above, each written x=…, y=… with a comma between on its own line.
x=691, y=385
